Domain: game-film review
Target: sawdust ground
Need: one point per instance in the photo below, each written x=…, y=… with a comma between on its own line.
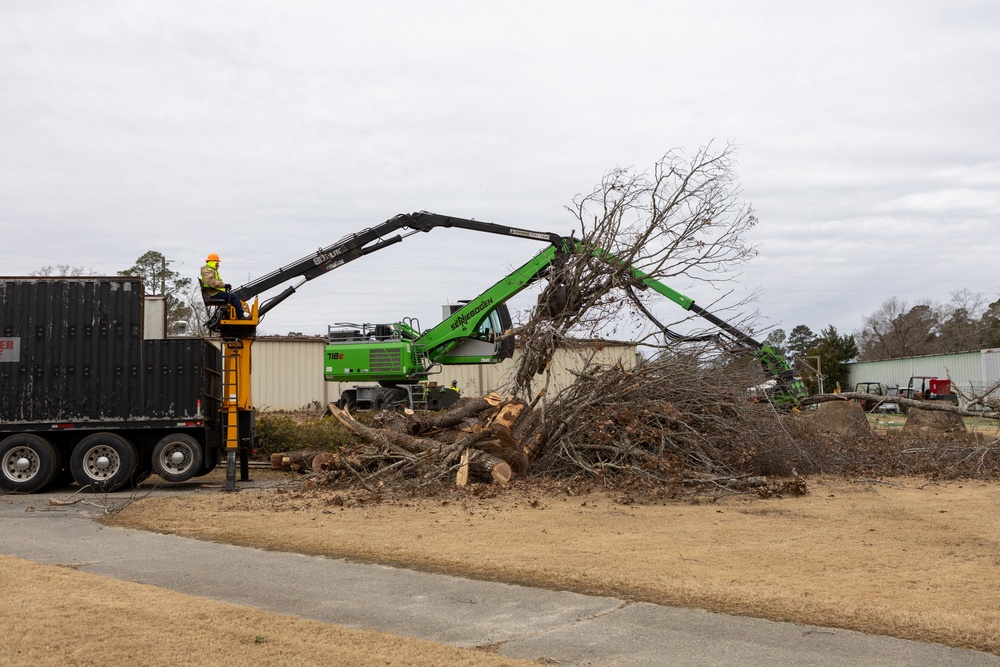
x=906, y=557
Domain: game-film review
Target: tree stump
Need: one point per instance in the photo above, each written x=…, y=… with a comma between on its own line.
x=841, y=418
x=934, y=421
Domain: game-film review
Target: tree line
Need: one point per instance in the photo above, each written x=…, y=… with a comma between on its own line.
x=895, y=330
x=826, y=353
x=966, y=323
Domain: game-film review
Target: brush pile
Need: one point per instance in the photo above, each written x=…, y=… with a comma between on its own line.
x=677, y=425
x=671, y=421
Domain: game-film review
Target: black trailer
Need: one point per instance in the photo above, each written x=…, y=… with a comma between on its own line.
x=87, y=394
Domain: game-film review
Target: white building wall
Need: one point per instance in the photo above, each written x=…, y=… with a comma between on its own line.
x=288, y=372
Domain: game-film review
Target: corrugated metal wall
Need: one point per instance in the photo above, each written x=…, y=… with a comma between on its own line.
x=483, y=378
x=288, y=373
x=972, y=372
x=989, y=362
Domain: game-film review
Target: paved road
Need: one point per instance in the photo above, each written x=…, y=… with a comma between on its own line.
x=568, y=628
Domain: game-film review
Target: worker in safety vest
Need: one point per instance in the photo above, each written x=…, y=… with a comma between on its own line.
x=454, y=387
x=216, y=292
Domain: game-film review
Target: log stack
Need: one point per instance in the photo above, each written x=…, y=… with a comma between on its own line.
x=476, y=439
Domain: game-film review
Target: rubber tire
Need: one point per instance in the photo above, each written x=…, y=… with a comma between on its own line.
x=43, y=457
x=389, y=398
x=123, y=457
x=348, y=401
x=194, y=457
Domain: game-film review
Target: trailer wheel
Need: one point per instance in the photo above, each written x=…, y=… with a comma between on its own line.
x=177, y=457
x=103, y=461
x=29, y=463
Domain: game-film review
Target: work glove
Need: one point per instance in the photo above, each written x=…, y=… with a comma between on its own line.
x=228, y=287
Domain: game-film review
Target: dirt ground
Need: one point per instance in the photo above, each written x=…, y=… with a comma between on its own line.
x=908, y=558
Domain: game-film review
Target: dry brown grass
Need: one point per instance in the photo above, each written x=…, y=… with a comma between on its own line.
x=907, y=558
x=65, y=617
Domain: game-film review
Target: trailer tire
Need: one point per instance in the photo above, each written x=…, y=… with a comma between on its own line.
x=29, y=462
x=178, y=457
x=103, y=461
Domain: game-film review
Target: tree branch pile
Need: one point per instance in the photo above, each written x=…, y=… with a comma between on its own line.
x=676, y=424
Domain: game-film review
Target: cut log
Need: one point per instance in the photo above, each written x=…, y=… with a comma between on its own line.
x=503, y=422
x=299, y=460
x=516, y=427
x=462, y=477
x=463, y=410
x=324, y=461
x=481, y=463
x=529, y=435
x=934, y=421
x=846, y=418
x=941, y=406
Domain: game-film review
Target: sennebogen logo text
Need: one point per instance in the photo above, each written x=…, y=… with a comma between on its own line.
x=462, y=319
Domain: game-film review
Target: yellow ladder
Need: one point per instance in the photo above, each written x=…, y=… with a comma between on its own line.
x=237, y=339
x=231, y=351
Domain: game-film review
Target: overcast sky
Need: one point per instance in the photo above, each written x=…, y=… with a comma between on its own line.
x=868, y=135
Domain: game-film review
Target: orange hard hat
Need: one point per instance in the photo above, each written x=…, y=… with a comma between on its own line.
x=213, y=258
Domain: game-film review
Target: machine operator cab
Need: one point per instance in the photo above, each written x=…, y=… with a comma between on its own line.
x=486, y=341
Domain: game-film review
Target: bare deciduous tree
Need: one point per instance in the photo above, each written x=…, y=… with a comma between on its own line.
x=63, y=270
x=962, y=327
x=686, y=219
x=198, y=313
x=159, y=278
x=896, y=330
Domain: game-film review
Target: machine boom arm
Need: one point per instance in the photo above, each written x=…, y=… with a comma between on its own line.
x=460, y=322
x=468, y=336
x=442, y=340
x=365, y=242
